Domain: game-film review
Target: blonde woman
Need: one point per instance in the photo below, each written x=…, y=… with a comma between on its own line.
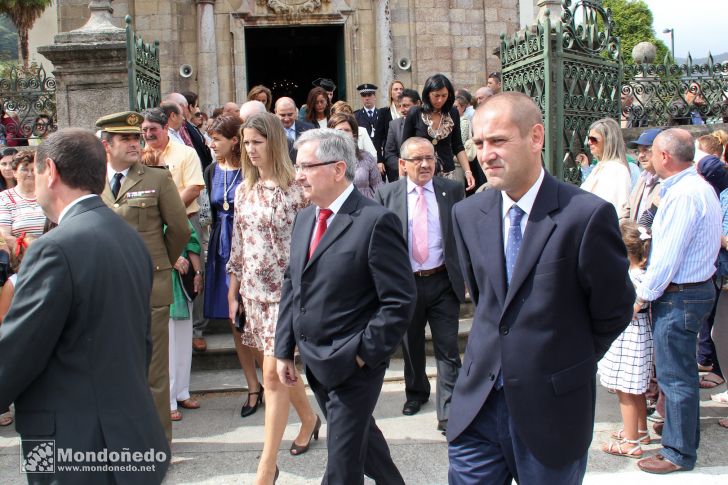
x=610, y=179
x=266, y=203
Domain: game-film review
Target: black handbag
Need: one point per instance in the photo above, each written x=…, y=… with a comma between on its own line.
x=188, y=282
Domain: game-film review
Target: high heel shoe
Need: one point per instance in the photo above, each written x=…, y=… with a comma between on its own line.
x=275, y=477
x=300, y=450
x=247, y=409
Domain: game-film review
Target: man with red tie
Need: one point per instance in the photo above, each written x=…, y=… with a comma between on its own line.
x=347, y=299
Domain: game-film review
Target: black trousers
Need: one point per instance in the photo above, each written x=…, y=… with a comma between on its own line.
x=437, y=305
x=355, y=444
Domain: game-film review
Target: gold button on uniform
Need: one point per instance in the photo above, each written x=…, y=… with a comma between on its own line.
x=116, y=206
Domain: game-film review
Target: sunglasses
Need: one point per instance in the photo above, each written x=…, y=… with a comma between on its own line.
x=593, y=139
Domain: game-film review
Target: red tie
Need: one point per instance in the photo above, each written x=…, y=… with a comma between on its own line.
x=323, y=216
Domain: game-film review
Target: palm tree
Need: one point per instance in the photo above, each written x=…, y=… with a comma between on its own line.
x=23, y=14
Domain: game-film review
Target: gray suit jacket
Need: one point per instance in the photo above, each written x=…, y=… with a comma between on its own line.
x=393, y=196
x=75, y=345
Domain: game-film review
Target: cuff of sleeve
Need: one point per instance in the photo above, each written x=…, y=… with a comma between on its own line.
x=646, y=294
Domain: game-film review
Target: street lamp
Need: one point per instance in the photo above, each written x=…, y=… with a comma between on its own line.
x=672, y=40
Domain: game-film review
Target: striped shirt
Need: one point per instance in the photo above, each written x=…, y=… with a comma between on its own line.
x=19, y=215
x=685, y=234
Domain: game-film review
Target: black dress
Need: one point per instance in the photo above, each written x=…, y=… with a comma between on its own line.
x=447, y=147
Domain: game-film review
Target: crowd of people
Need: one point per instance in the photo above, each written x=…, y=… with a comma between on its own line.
x=343, y=232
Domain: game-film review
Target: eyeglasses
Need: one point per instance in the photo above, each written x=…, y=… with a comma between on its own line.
x=420, y=160
x=593, y=139
x=304, y=167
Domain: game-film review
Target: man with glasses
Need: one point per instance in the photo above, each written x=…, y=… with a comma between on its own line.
x=647, y=189
x=423, y=204
x=346, y=301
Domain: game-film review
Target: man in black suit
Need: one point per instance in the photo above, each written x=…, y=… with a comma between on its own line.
x=547, y=271
x=407, y=100
x=286, y=111
x=423, y=204
x=75, y=345
x=346, y=301
x=368, y=115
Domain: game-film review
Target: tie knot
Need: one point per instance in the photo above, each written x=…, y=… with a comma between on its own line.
x=515, y=214
x=117, y=176
x=324, y=214
x=420, y=189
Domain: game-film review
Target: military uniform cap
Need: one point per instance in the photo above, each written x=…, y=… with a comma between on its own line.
x=124, y=122
x=366, y=88
x=324, y=83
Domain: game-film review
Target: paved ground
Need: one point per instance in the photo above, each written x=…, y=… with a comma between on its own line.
x=213, y=445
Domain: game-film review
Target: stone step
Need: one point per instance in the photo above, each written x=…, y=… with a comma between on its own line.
x=221, y=355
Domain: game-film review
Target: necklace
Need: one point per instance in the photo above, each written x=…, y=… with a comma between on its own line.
x=226, y=189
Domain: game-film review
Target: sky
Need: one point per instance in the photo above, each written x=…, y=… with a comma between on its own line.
x=700, y=25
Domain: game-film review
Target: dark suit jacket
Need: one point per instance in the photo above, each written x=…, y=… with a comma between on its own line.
x=393, y=196
x=355, y=296
x=75, y=345
x=570, y=296
x=384, y=119
x=198, y=142
x=372, y=128
x=301, y=126
x=392, y=145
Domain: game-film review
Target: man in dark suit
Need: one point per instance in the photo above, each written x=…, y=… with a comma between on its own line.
x=286, y=111
x=346, y=301
x=368, y=115
x=547, y=272
x=407, y=100
x=75, y=345
x=423, y=205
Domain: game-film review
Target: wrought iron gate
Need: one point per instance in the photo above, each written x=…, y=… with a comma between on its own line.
x=143, y=63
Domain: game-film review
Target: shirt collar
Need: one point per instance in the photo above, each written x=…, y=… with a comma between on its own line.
x=673, y=179
x=335, y=206
x=526, y=202
x=66, y=209
x=110, y=172
x=412, y=187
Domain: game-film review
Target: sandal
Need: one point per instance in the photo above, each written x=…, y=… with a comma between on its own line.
x=189, y=403
x=710, y=380
x=614, y=447
x=721, y=397
x=6, y=418
x=175, y=415
x=643, y=436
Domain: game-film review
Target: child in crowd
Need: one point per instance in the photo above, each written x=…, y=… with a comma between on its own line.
x=626, y=365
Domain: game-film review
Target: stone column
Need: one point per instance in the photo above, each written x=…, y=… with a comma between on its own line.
x=90, y=69
x=207, y=79
x=385, y=50
x=554, y=7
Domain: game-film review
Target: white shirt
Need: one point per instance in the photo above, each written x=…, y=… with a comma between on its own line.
x=110, y=174
x=526, y=205
x=175, y=136
x=65, y=209
x=435, y=256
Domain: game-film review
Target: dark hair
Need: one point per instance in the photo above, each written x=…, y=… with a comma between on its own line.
x=256, y=90
x=229, y=127
x=190, y=97
x=433, y=83
x=169, y=107
x=411, y=94
x=8, y=152
x=155, y=115
x=465, y=94
x=217, y=112
x=637, y=241
x=22, y=158
x=79, y=157
x=311, y=102
x=495, y=75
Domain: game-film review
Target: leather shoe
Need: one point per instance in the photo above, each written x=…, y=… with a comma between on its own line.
x=199, y=344
x=412, y=407
x=658, y=464
x=658, y=428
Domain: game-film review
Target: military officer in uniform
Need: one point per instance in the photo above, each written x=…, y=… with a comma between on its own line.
x=147, y=198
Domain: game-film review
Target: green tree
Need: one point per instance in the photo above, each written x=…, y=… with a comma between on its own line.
x=633, y=24
x=24, y=13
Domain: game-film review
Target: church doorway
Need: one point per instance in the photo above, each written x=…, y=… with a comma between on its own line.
x=288, y=59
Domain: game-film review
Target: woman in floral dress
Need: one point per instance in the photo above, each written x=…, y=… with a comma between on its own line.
x=266, y=204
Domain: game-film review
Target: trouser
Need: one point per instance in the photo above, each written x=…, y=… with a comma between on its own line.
x=180, y=360
x=199, y=322
x=706, y=345
x=720, y=327
x=159, y=366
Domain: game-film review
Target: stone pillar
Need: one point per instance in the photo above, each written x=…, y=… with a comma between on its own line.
x=385, y=50
x=554, y=7
x=207, y=79
x=90, y=69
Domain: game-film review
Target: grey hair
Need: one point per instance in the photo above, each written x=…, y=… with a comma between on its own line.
x=333, y=145
x=404, y=150
x=250, y=108
x=611, y=133
x=155, y=115
x=678, y=143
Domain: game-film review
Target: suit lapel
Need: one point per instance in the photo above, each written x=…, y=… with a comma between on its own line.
x=341, y=222
x=304, y=226
x=538, y=230
x=133, y=177
x=400, y=200
x=489, y=227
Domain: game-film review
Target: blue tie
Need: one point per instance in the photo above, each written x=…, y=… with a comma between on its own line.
x=515, y=214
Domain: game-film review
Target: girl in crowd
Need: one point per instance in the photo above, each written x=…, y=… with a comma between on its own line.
x=7, y=179
x=363, y=141
x=367, y=178
x=262, y=94
x=222, y=178
x=265, y=206
x=395, y=89
x=610, y=179
x=318, y=108
x=21, y=218
x=438, y=121
x=627, y=365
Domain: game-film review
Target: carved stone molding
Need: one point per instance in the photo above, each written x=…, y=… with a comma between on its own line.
x=292, y=8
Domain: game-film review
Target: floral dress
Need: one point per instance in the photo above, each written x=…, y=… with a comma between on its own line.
x=259, y=255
